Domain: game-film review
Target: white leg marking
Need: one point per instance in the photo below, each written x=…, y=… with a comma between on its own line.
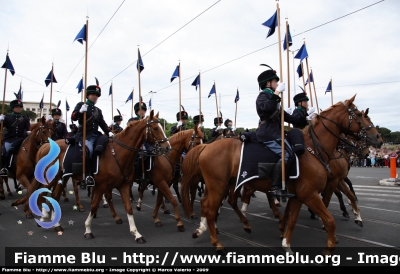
x=132, y=227
x=357, y=215
x=88, y=224
x=45, y=215
x=139, y=203
x=52, y=218
x=203, y=226
x=286, y=246
x=104, y=200
x=244, y=208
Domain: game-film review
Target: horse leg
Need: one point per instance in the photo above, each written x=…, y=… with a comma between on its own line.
x=292, y=212
x=76, y=191
x=97, y=194
x=343, y=188
x=232, y=200
x=339, y=195
x=159, y=199
x=105, y=203
x=64, y=194
x=176, y=188
x=273, y=207
x=108, y=197
x=8, y=188
x=316, y=204
x=57, y=192
x=203, y=220
x=2, y=196
x=193, y=189
x=141, y=190
x=350, y=184
x=124, y=190
x=283, y=221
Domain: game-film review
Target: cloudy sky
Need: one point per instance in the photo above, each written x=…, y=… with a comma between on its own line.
x=226, y=43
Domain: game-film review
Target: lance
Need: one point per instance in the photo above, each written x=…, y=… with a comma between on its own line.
x=83, y=99
x=140, y=107
x=199, y=97
x=315, y=92
x=216, y=104
x=4, y=98
x=66, y=113
x=112, y=106
x=180, y=98
x=282, y=98
x=309, y=84
x=288, y=66
x=236, y=105
x=51, y=85
x=132, y=103
x=331, y=93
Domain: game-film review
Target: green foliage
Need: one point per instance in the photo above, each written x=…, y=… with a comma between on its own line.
x=389, y=136
x=30, y=114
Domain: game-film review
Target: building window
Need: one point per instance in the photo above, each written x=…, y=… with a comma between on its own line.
x=33, y=109
x=28, y=109
x=44, y=109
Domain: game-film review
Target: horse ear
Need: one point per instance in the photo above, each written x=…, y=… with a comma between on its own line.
x=351, y=100
x=157, y=114
x=43, y=120
x=366, y=112
x=151, y=114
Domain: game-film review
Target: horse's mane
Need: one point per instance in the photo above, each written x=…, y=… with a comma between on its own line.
x=316, y=119
x=212, y=139
x=124, y=131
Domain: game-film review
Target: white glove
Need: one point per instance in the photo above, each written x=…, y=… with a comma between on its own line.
x=49, y=118
x=2, y=117
x=281, y=87
x=179, y=124
x=289, y=110
x=233, y=129
x=83, y=108
x=29, y=132
x=110, y=134
x=310, y=117
x=218, y=128
x=311, y=110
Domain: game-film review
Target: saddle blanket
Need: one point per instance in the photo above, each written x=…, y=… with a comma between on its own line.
x=257, y=161
x=72, y=162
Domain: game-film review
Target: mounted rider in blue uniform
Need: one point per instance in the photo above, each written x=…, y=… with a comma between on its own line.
x=217, y=130
x=17, y=130
x=269, y=130
x=94, y=120
x=59, y=128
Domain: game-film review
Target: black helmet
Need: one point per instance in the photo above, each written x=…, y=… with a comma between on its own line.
x=16, y=103
x=93, y=89
x=226, y=122
x=136, y=107
x=183, y=114
x=266, y=76
x=196, y=119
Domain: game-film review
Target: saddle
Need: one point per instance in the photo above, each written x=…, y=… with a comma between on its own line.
x=73, y=160
x=257, y=161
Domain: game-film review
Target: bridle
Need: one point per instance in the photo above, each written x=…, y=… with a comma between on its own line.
x=157, y=148
x=43, y=138
x=191, y=142
x=361, y=135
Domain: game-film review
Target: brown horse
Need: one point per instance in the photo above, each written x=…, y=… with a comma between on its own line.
x=313, y=176
x=162, y=174
x=23, y=164
x=115, y=169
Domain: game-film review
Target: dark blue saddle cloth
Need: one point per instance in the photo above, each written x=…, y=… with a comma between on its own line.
x=73, y=158
x=257, y=161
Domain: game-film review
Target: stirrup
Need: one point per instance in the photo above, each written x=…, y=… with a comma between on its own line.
x=89, y=181
x=4, y=172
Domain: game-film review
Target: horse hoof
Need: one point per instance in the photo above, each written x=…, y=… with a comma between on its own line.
x=88, y=236
x=194, y=235
x=193, y=217
x=222, y=251
x=217, y=231
x=158, y=224
x=58, y=228
x=81, y=209
x=118, y=222
x=10, y=194
x=14, y=203
x=360, y=223
x=167, y=212
x=247, y=229
x=66, y=200
x=29, y=216
x=346, y=215
x=140, y=240
x=95, y=215
x=105, y=205
x=181, y=228
x=138, y=208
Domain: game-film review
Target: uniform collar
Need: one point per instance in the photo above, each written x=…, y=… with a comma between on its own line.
x=90, y=103
x=301, y=108
x=57, y=120
x=16, y=114
x=268, y=90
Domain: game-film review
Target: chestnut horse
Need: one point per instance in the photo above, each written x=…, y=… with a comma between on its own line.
x=162, y=174
x=115, y=168
x=312, y=180
x=23, y=164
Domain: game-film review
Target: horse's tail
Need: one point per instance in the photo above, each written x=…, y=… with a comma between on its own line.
x=191, y=174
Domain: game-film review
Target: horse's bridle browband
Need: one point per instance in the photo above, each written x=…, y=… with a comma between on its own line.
x=41, y=136
x=362, y=135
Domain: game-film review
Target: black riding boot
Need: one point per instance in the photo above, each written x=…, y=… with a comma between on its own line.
x=276, y=187
x=89, y=179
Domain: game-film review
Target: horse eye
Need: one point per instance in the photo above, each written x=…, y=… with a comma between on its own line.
x=155, y=128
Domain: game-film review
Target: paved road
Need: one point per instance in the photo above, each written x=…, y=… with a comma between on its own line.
x=379, y=205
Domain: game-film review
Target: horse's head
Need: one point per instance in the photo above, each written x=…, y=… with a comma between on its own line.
x=42, y=131
x=155, y=134
x=353, y=123
x=196, y=138
x=373, y=130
